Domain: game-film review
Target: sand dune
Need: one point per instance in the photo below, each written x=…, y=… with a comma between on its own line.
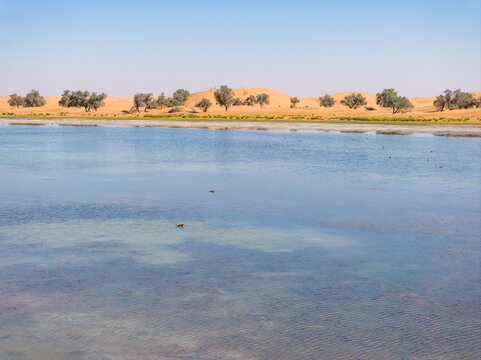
x=276, y=98
x=279, y=105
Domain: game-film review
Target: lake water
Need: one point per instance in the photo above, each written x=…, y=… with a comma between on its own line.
x=313, y=245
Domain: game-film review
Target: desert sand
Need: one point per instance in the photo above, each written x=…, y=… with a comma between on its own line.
x=308, y=107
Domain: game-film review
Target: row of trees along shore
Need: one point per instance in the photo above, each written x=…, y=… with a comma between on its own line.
x=32, y=99
x=82, y=99
x=224, y=97
x=456, y=99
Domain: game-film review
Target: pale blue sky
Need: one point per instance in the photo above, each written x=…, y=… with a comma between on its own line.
x=304, y=48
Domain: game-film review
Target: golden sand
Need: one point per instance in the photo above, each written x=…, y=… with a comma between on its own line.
x=118, y=107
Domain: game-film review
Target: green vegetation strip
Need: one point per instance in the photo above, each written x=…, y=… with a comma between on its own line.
x=257, y=118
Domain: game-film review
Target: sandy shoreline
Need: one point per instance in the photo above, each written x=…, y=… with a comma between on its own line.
x=439, y=130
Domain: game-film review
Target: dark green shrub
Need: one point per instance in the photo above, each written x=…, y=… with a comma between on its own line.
x=16, y=101
x=139, y=101
x=181, y=95
x=161, y=101
x=327, y=101
x=262, y=99
x=353, y=101
x=33, y=99
x=171, y=102
x=389, y=98
x=204, y=104
x=440, y=102
x=463, y=100
x=96, y=101
x=83, y=99
x=224, y=96
x=250, y=100
x=294, y=101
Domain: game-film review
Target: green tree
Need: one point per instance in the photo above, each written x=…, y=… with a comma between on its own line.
x=402, y=105
x=171, y=102
x=445, y=100
x=440, y=102
x=448, y=97
x=456, y=99
x=463, y=100
x=237, y=102
x=75, y=99
x=16, y=101
x=139, y=101
x=161, y=101
x=224, y=96
x=478, y=102
x=294, y=101
x=250, y=100
x=262, y=99
x=83, y=99
x=181, y=95
x=204, y=104
x=96, y=101
x=353, y=101
x=65, y=99
x=327, y=101
x=150, y=102
x=33, y=99
x=389, y=98
x=386, y=97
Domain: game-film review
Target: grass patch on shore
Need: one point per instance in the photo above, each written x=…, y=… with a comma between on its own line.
x=397, y=119
x=218, y=117
x=252, y=118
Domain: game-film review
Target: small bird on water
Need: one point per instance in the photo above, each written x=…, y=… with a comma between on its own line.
x=179, y=225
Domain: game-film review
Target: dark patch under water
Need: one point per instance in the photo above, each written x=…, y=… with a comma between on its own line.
x=313, y=245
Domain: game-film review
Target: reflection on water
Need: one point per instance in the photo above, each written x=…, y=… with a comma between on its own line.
x=313, y=245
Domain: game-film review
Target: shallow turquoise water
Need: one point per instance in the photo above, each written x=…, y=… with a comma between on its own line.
x=314, y=245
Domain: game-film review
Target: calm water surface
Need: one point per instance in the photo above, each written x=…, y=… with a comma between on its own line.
x=313, y=246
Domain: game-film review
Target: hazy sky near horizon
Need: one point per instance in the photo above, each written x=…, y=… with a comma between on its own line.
x=303, y=48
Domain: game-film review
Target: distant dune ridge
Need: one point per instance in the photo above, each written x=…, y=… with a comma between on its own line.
x=279, y=99
x=279, y=104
